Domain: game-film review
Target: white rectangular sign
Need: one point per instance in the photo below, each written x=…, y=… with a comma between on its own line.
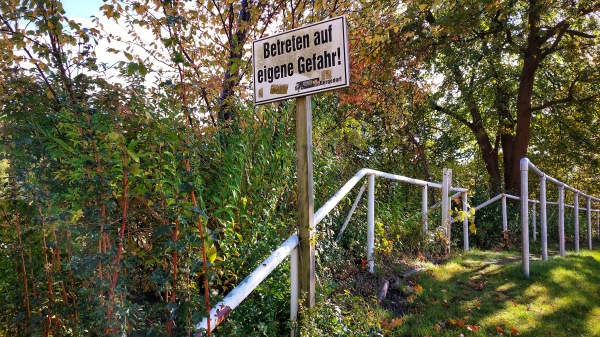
x=301, y=61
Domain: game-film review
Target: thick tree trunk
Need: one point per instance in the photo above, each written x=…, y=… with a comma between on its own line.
x=489, y=154
x=531, y=62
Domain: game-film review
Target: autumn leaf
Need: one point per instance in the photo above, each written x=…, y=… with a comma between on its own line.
x=473, y=328
x=515, y=331
x=418, y=289
x=391, y=325
x=499, y=329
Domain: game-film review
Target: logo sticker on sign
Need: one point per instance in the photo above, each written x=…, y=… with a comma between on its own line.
x=301, y=61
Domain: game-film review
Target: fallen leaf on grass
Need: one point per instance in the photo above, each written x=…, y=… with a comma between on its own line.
x=499, y=329
x=391, y=325
x=473, y=328
x=438, y=328
x=456, y=322
x=515, y=331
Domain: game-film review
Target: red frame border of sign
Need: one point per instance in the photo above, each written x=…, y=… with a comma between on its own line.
x=346, y=83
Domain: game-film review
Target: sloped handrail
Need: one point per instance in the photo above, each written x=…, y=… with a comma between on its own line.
x=220, y=311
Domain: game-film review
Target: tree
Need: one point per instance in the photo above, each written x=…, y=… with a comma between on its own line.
x=503, y=62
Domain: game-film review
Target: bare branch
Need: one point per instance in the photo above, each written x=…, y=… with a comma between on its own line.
x=580, y=34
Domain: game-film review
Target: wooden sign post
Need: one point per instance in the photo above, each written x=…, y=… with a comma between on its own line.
x=297, y=64
x=306, y=224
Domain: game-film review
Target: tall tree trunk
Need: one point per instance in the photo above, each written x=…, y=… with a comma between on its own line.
x=531, y=62
x=489, y=154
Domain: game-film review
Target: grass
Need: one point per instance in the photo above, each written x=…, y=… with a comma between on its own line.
x=468, y=295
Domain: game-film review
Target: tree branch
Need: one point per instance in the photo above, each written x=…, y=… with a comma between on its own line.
x=570, y=98
x=580, y=34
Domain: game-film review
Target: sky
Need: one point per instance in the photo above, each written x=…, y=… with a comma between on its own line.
x=82, y=8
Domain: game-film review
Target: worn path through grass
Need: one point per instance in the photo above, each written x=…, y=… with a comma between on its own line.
x=468, y=295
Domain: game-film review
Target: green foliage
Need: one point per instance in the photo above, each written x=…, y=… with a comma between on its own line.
x=126, y=206
x=343, y=315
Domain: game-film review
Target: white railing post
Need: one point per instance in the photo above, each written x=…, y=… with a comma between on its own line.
x=534, y=220
x=589, y=222
x=561, y=219
x=446, y=182
x=576, y=224
x=543, y=218
x=465, y=222
x=524, y=216
x=424, y=209
x=371, y=223
x=294, y=291
x=598, y=223
x=504, y=221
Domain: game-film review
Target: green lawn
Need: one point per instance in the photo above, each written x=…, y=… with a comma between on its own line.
x=469, y=295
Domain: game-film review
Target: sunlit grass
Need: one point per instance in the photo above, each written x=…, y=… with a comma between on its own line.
x=469, y=296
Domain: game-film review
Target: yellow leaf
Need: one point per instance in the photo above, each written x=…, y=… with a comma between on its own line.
x=211, y=255
x=472, y=228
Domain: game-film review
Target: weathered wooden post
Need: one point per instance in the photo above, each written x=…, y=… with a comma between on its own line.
x=297, y=64
x=306, y=225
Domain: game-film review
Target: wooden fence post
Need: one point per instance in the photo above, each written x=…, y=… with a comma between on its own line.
x=306, y=224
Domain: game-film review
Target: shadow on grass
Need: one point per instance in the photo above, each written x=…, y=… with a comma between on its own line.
x=470, y=296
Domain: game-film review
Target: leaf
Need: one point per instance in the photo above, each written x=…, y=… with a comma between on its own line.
x=63, y=144
x=515, y=331
x=112, y=136
x=499, y=329
x=211, y=255
x=134, y=156
x=473, y=328
x=472, y=228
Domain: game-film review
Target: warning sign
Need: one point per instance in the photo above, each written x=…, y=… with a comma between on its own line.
x=301, y=61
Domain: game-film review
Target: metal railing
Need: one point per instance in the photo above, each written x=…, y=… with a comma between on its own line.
x=289, y=247
x=527, y=166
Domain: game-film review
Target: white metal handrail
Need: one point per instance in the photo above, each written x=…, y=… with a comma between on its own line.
x=525, y=167
x=289, y=247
